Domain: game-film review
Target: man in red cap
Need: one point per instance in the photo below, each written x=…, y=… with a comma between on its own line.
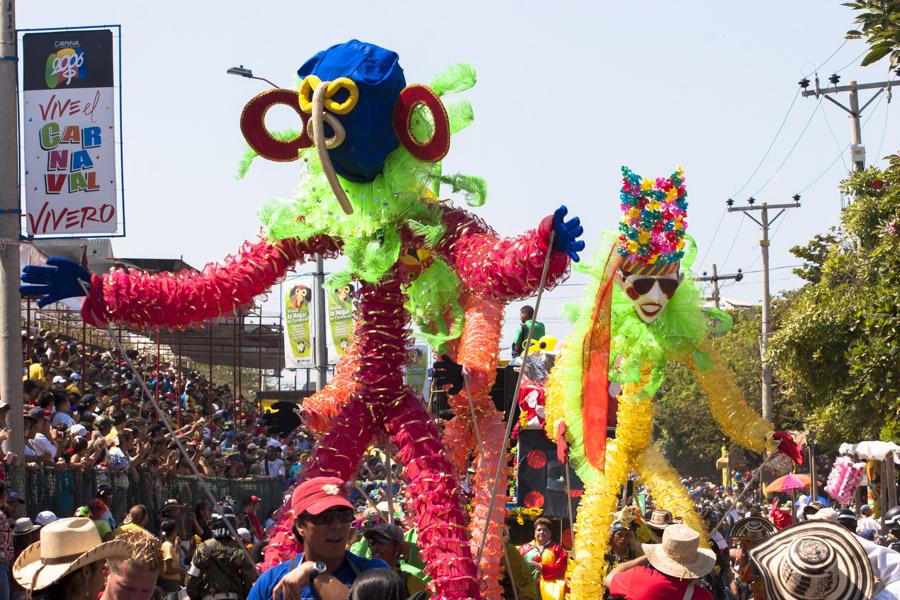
x=326, y=569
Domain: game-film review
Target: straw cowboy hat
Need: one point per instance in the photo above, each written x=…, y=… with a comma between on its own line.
x=753, y=529
x=680, y=554
x=65, y=546
x=660, y=520
x=817, y=560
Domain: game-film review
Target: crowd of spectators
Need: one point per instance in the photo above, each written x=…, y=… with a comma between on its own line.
x=84, y=409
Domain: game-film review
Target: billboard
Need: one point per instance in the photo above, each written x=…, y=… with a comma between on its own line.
x=298, y=345
x=70, y=142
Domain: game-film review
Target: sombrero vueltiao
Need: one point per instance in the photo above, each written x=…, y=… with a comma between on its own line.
x=753, y=529
x=65, y=546
x=817, y=560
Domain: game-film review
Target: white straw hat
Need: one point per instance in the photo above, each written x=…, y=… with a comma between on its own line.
x=680, y=554
x=65, y=546
x=816, y=560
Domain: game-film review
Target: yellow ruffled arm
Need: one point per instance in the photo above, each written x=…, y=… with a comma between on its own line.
x=667, y=490
x=731, y=411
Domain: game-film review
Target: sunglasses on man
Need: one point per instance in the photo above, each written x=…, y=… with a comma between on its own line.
x=643, y=285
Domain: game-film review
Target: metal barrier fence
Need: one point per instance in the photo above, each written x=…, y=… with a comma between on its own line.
x=64, y=490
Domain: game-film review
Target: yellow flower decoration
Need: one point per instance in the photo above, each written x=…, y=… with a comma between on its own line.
x=647, y=185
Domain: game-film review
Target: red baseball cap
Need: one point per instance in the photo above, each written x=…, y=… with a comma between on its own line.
x=255, y=499
x=318, y=494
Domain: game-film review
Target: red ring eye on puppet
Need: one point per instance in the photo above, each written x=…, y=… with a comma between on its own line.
x=253, y=126
x=435, y=148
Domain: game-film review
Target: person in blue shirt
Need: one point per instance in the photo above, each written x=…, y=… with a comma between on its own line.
x=325, y=570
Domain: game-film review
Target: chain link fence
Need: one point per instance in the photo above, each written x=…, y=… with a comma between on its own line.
x=64, y=490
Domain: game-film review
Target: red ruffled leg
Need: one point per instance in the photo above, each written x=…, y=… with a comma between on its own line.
x=433, y=495
x=337, y=455
x=478, y=351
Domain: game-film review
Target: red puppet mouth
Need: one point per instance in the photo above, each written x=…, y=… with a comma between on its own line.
x=651, y=309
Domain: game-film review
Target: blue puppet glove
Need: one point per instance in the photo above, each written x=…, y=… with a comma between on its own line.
x=61, y=279
x=567, y=233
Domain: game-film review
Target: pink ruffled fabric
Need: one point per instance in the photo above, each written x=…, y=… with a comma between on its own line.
x=501, y=269
x=478, y=351
x=174, y=300
x=382, y=398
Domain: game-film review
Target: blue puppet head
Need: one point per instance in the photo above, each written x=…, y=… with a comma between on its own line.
x=376, y=80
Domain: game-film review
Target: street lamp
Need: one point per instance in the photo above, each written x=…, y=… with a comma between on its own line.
x=242, y=71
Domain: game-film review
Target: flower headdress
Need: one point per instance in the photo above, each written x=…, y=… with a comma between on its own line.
x=653, y=223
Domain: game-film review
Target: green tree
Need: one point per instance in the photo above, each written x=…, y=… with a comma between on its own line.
x=837, y=350
x=879, y=22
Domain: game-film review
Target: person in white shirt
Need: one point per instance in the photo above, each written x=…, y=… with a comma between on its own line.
x=61, y=418
x=273, y=466
x=866, y=521
x=37, y=436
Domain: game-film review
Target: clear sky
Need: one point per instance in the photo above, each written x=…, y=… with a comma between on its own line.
x=567, y=93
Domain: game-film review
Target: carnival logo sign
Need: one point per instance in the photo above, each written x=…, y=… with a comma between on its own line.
x=64, y=65
x=70, y=146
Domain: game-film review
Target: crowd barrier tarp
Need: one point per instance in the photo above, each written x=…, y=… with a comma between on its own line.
x=64, y=490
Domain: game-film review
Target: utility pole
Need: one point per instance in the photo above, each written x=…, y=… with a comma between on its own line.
x=764, y=223
x=715, y=278
x=321, y=315
x=857, y=150
x=10, y=228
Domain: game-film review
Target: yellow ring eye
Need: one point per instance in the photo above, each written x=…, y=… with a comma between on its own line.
x=341, y=108
x=304, y=96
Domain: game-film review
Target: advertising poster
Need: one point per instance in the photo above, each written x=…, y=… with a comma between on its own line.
x=417, y=363
x=340, y=320
x=69, y=133
x=298, y=347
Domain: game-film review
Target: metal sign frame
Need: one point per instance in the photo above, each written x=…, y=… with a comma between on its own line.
x=120, y=164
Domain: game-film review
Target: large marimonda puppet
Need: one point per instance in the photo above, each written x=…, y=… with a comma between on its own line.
x=642, y=311
x=372, y=148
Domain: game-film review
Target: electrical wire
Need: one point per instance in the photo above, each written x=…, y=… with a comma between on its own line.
x=784, y=120
x=791, y=151
x=837, y=144
x=887, y=111
x=858, y=56
x=713, y=240
x=733, y=241
x=840, y=155
x=771, y=145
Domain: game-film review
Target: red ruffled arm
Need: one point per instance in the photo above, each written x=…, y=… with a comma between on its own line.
x=557, y=568
x=170, y=300
x=504, y=269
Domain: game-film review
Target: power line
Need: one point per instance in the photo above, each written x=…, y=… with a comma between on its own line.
x=834, y=137
x=737, y=234
x=840, y=155
x=791, y=151
x=784, y=120
x=771, y=145
x=713, y=240
x=858, y=56
x=887, y=111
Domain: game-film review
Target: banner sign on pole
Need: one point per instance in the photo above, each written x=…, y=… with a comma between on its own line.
x=340, y=319
x=298, y=325
x=70, y=140
x=415, y=373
